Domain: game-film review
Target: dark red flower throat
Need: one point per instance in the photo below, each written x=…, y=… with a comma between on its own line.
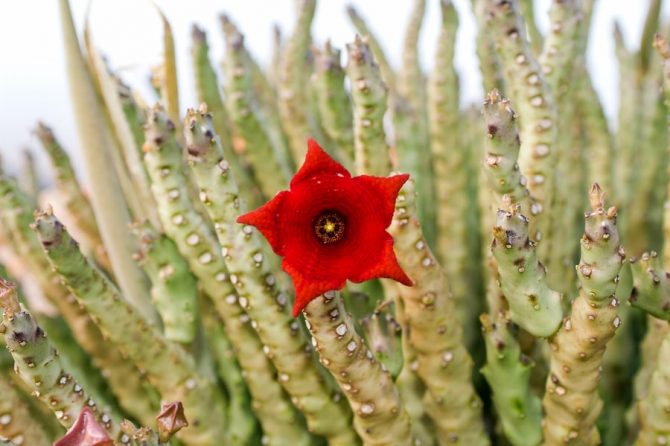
x=330, y=227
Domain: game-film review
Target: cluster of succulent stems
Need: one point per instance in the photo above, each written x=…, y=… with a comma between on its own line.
x=136, y=310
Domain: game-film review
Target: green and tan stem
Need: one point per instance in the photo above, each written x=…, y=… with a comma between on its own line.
x=334, y=103
x=196, y=239
x=242, y=424
x=75, y=202
x=167, y=366
x=379, y=416
x=36, y=362
x=532, y=304
x=435, y=334
x=571, y=401
x=209, y=91
x=293, y=77
x=369, y=98
x=17, y=423
x=508, y=371
x=387, y=73
x=652, y=286
x=535, y=102
x=174, y=290
x=97, y=142
x=123, y=377
x=256, y=286
x=271, y=174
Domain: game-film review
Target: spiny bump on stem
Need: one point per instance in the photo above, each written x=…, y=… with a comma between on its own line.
x=8, y=300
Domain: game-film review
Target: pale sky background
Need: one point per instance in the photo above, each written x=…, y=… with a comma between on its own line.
x=33, y=84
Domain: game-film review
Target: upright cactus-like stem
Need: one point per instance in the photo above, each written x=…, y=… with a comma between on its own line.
x=443, y=363
x=169, y=83
x=167, y=365
x=334, y=102
x=196, y=240
x=387, y=73
x=571, y=400
x=256, y=286
x=652, y=292
x=208, y=91
x=293, y=78
x=174, y=290
x=664, y=50
x=412, y=140
x=626, y=135
x=76, y=203
x=652, y=286
x=17, y=424
x=29, y=177
x=560, y=51
x=489, y=62
x=450, y=169
x=108, y=204
x=532, y=304
x=379, y=416
x=123, y=377
x=270, y=172
x=652, y=409
x=649, y=355
x=502, y=152
x=369, y=97
x=535, y=102
x=242, y=424
x=527, y=8
x=507, y=371
x=599, y=143
x=36, y=362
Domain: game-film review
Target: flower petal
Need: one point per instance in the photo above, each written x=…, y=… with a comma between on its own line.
x=85, y=432
x=387, y=188
x=307, y=290
x=266, y=219
x=317, y=161
x=386, y=266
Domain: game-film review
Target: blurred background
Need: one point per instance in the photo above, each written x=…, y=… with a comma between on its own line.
x=32, y=72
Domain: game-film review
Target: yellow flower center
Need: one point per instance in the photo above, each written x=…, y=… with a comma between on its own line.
x=329, y=227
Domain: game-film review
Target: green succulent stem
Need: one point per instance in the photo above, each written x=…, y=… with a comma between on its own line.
x=571, y=401
x=443, y=363
x=174, y=289
x=535, y=101
x=369, y=98
x=36, y=362
x=270, y=172
x=167, y=366
x=194, y=235
x=134, y=395
x=242, y=424
x=293, y=78
x=209, y=92
x=109, y=206
x=334, y=103
x=257, y=288
x=19, y=426
x=379, y=416
x=508, y=371
x=533, y=305
x=387, y=73
x=75, y=202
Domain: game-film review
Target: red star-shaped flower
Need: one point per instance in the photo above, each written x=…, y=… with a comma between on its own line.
x=330, y=227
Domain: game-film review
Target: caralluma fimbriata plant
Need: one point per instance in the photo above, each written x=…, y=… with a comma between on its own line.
x=333, y=250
